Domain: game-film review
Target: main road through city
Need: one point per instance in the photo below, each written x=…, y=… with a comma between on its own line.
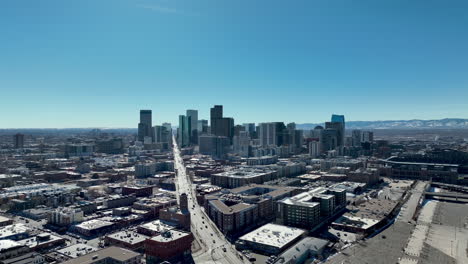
x=214, y=246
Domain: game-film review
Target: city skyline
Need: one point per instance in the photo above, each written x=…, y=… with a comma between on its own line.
x=96, y=63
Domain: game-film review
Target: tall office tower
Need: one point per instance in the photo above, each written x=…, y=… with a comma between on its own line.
x=339, y=127
x=161, y=134
x=267, y=134
x=168, y=126
x=329, y=139
x=145, y=125
x=19, y=140
x=367, y=136
x=273, y=133
x=193, y=114
x=216, y=113
x=314, y=149
x=356, y=138
x=221, y=126
x=250, y=127
x=183, y=137
x=202, y=126
x=226, y=127
x=241, y=144
x=298, y=139
x=291, y=134
x=338, y=118
x=341, y=130
x=215, y=146
x=238, y=129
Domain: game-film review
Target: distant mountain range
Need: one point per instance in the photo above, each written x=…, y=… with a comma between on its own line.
x=447, y=123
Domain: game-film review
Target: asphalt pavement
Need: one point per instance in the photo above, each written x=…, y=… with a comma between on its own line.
x=214, y=246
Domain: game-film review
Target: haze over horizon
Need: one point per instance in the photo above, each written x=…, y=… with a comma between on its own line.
x=97, y=63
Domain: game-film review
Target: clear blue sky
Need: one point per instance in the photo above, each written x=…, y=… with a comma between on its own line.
x=95, y=63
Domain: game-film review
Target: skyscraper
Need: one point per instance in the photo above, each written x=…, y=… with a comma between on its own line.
x=183, y=136
x=221, y=126
x=216, y=113
x=338, y=118
x=193, y=114
x=328, y=139
x=356, y=138
x=250, y=127
x=272, y=133
x=145, y=125
x=202, y=126
x=338, y=123
x=367, y=136
x=19, y=140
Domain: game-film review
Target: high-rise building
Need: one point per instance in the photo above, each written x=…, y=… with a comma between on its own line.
x=145, y=125
x=314, y=149
x=162, y=134
x=202, y=126
x=183, y=136
x=273, y=133
x=216, y=113
x=193, y=114
x=241, y=143
x=356, y=138
x=250, y=127
x=329, y=139
x=367, y=136
x=338, y=118
x=19, y=140
x=340, y=130
x=215, y=146
x=221, y=126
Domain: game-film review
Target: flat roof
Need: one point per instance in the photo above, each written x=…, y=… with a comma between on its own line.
x=130, y=237
x=117, y=253
x=158, y=226
x=170, y=235
x=11, y=230
x=355, y=221
x=6, y=244
x=94, y=224
x=273, y=235
x=77, y=250
x=33, y=241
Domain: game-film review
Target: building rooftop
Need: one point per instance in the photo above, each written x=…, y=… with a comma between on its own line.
x=170, y=235
x=309, y=243
x=273, y=235
x=158, y=226
x=77, y=250
x=116, y=253
x=130, y=237
x=11, y=230
x=6, y=244
x=40, y=239
x=94, y=224
x=245, y=172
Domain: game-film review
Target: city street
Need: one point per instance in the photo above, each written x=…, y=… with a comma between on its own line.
x=214, y=247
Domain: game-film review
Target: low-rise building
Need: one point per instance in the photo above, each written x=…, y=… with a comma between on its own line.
x=65, y=216
x=270, y=239
x=308, y=209
x=127, y=239
x=114, y=255
x=243, y=176
x=172, y=246
x=93, y=227
x=76, y=250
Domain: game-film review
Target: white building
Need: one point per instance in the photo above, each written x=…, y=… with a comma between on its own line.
x=65, y=216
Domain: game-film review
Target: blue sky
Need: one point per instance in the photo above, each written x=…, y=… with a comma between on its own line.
x=96, y=63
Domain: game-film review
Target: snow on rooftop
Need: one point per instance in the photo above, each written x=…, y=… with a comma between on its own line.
x=273, y=235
